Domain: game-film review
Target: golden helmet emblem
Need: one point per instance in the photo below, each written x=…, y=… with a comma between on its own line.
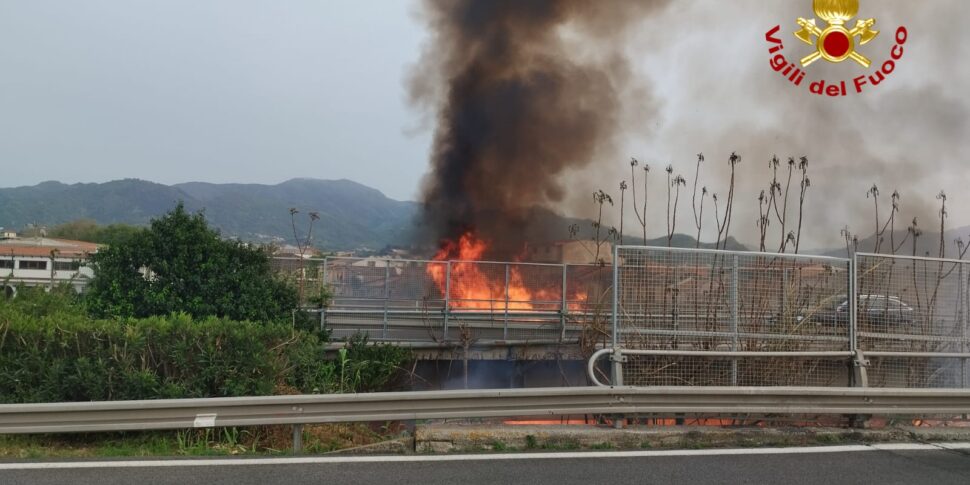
x=835, y=43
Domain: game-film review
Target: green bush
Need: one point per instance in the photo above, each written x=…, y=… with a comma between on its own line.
x=49, y=354
x=180, y=264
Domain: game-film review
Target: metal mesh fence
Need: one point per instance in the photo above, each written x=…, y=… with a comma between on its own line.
x=715, y=300
x=911, y=304
x=911, y=315
x=725, y=371
x=907, y=315
x=697, y=300
x=918, y=372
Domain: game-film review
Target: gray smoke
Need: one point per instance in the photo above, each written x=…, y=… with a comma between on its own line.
x=721, y=95
x=666, y=83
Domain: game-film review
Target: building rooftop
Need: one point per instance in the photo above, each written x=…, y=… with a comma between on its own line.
x=42, y=246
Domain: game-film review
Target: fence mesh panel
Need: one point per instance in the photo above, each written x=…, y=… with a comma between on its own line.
x=723, y=371
x=916, y=310
x=696, y=300
x=706, y=300
x=917, y=372
x=911, y=304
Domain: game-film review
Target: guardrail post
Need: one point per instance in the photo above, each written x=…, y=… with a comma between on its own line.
x=860, y=375
x=564, y=309
x=617, y=359
x=735, y=317
x=505, y=329
x=297, y=438
x=387, y=295
x=447, y=299
x=860, y=378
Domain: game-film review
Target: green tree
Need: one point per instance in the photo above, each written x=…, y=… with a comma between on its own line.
x=180, y=264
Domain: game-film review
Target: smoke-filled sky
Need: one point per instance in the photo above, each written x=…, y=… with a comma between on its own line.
x=262, y=91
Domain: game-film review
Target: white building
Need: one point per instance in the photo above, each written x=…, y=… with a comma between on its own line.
x=44, y=262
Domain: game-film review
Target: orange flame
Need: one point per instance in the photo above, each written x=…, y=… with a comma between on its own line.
x=473, y=289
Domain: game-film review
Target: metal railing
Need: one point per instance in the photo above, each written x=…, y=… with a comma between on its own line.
x=309, y=409
x=449, y=301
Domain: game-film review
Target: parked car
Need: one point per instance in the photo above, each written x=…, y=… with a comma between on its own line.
x=871, y=309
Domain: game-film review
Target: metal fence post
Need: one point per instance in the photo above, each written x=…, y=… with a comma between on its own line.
x=962, y=298
x=616, y=296
x=323, y=285
x=565, y=305
x=617, y=359
x=505, y=329
x=735, y=317
x=387, y=295
x=447, y=298
x=853, y=301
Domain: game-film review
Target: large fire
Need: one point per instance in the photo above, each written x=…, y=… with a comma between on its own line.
x=471, y=288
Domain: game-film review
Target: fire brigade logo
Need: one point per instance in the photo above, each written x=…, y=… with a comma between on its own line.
x=836, y=43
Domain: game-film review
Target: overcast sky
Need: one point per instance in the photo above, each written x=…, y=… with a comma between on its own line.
x=267, y=90
x=213, y=90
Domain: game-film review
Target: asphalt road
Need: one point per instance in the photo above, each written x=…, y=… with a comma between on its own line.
x=838, y=465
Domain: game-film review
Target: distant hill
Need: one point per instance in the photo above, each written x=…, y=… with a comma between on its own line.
x=352, y=216
x=554, y=227
x=928, y=243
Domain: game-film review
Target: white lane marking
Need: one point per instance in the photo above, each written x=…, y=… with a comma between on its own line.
x=903, y=446
x=308, y=460
x=954, y=446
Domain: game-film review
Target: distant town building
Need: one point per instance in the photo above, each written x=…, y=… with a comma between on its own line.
x=291, y=251
x=44, y=262
x=378, y=261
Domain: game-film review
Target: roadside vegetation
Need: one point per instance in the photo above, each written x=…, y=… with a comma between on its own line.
x=175, y=311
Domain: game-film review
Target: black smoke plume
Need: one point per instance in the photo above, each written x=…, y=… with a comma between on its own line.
x=523, y=92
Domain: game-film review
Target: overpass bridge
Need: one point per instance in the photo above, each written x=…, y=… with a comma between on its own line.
x=671, y=316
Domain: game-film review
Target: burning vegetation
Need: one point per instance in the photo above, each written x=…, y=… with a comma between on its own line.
x=471, y=287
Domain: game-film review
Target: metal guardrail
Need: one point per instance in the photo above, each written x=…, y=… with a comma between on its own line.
x=334, y=408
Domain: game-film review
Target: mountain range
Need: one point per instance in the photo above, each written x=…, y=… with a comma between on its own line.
x=352, y=215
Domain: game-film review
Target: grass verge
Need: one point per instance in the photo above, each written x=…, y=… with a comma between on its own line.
x=264, y=440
